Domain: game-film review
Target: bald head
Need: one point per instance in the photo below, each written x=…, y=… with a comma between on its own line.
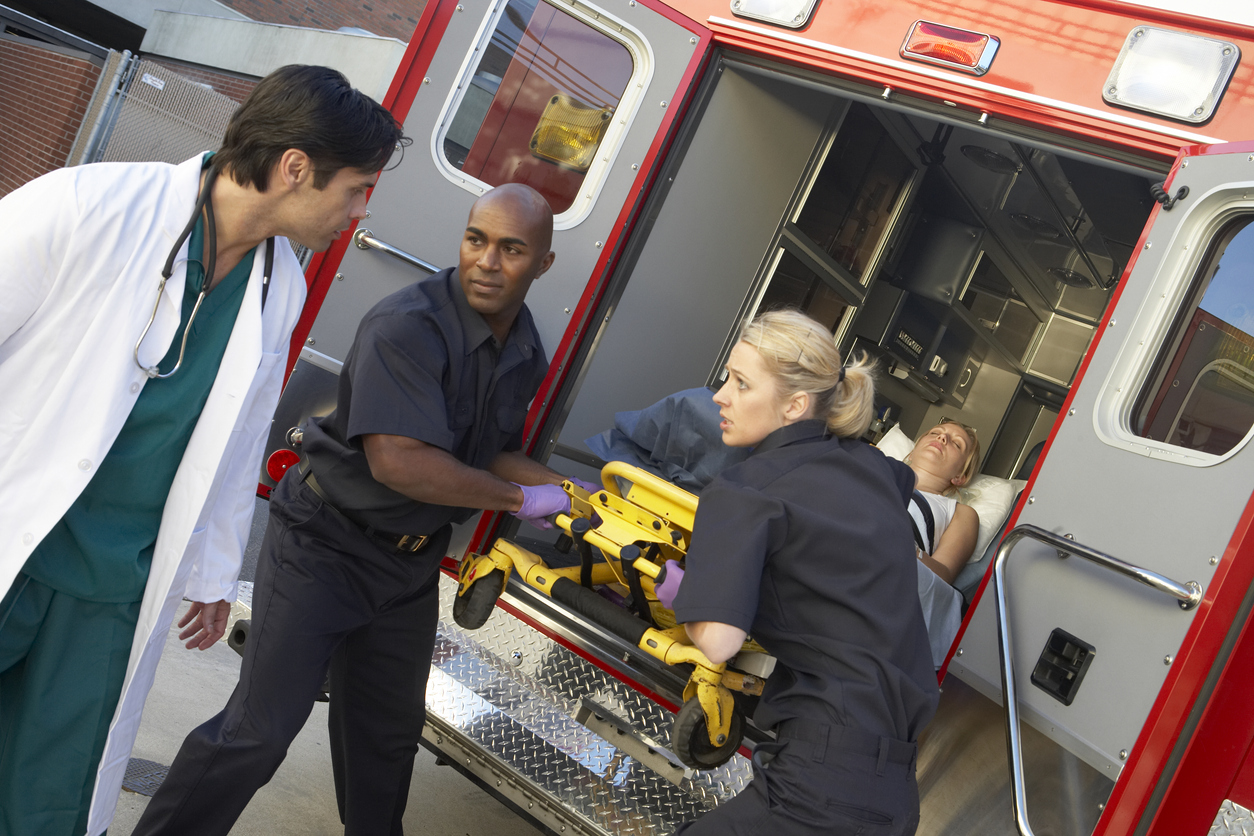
x=504, y=250
x=527, y=205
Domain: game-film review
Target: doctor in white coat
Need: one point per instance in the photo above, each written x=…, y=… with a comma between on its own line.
x=81, y=258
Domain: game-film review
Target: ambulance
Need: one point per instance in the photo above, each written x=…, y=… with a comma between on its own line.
x=1038, y=216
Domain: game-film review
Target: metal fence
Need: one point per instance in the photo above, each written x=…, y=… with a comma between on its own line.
x=162, y=116
x=144, y=111
x=98, y=111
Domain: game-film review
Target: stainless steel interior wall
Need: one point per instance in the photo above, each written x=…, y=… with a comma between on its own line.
x=680, y=302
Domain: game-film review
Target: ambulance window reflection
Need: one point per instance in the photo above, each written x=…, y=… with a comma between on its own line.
x=793, y=285
x=538, y=103
x=1201, y=394
x=999, y=308
x=856, y=192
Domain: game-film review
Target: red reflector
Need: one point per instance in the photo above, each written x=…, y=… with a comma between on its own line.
x=280, y=461
x=945, y=45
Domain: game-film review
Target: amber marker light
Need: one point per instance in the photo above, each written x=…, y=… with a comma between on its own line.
x=569, y=132
x=945, y=46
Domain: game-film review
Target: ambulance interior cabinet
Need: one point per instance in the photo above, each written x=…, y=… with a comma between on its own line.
x=1027, y=422
x=940, y=350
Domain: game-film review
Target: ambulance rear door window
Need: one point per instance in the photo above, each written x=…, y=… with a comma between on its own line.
x=1200, y=395
x=539, y=102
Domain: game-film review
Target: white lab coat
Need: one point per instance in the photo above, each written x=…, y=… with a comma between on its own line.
x=81, y=252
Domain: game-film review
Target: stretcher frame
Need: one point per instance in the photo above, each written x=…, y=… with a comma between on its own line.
x=634, y=534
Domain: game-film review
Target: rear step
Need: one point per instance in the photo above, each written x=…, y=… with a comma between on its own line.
x=504, y=705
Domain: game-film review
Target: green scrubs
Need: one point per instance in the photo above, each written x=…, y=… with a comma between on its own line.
x=68, y=621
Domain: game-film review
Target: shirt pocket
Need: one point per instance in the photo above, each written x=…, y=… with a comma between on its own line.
x=196, y=543
x=269, y=359
x=510, y=419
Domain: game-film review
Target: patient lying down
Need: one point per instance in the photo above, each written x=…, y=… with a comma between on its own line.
x=945, y=530
x=943, y=460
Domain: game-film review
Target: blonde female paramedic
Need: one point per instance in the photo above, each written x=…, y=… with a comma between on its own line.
x=807, y=545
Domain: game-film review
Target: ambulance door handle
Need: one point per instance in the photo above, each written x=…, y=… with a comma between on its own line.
x=1187, y=594
x=365, y=240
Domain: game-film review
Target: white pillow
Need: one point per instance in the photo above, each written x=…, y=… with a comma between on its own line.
x=991, y=497
x=896, y=444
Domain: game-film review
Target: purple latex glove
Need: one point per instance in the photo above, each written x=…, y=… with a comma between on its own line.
x=540, y=501
x=590, y=487
x=667, y=584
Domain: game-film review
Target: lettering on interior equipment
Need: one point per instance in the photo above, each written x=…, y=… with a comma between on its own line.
x=909, y=342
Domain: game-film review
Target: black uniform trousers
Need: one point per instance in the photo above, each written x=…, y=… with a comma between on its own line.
x=325, y=594
x=820, y=780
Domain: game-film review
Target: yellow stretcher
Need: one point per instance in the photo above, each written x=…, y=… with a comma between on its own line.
x=635, y=534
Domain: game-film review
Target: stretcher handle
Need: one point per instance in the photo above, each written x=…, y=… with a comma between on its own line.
x=649, y=482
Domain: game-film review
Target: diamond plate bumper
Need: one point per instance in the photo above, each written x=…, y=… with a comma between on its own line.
x=502, y=703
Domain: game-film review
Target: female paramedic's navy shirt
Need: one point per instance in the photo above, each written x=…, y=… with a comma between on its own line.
x=806, y=545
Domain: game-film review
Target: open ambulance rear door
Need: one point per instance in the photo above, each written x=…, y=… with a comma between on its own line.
x=1151, y=463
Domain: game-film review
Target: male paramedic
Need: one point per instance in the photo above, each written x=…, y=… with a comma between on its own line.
x=145, y=321
x=427, y=427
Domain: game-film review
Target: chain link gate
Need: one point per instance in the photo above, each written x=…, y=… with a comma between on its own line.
x=151, y=113
x=165, y=117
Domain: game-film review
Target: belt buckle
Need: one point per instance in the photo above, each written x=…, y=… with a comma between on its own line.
x=411, y=542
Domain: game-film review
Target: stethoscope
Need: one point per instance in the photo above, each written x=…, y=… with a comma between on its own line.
x=203, y=204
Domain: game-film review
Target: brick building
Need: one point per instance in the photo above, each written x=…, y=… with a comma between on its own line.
x=55, y=82
x=47, y=80
x=44, y=92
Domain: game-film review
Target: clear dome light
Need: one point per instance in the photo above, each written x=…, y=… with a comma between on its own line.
x=1172, y=74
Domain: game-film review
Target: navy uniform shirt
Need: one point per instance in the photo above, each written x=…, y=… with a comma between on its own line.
x=424, y=365
x=806, y=546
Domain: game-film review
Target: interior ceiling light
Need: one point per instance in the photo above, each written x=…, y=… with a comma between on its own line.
x=1173, y=74
x=989, y=159
x=1070, y=277
x=793, y=14
x=1038, y=227
x=957, y=49
x=569, y=132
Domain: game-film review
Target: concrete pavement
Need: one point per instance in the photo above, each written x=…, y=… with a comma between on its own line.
x=192, y=686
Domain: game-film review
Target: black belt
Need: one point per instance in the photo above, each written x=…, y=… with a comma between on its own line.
x=400, y=542
x=817, y=737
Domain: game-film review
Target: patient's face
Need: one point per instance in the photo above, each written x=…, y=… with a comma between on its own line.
x=943, y=451
x=750, y=402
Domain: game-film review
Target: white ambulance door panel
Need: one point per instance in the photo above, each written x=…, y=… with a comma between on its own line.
x=567, y=97
x=1151, y=463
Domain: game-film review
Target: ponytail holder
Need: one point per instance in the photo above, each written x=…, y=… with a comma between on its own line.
x=841, y=378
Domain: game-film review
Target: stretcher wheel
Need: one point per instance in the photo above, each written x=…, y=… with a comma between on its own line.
x=472, y=609
x=691, y=742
